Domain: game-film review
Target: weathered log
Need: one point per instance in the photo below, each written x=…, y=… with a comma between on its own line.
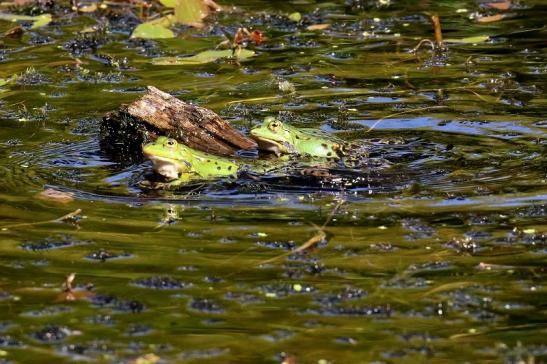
x=158, y=113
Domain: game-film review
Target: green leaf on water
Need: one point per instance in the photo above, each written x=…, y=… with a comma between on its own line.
x=296, y=17
x=190, y=11
x=202, y=58
x=5, y=81
x=37, y=21
x=12, y=17
x=41, y=20
x=169, y=3
x=469, y=40
x=153, y=30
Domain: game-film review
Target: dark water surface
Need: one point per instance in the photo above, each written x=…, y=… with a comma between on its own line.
x=440, y=257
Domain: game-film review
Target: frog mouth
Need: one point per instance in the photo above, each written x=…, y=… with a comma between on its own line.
x=168, y=167
x=268, y=145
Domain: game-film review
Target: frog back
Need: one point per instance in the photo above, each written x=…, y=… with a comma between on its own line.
x=317, y=143
x=210, y=166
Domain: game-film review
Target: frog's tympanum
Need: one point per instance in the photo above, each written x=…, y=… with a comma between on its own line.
x=280, y=138
x=176, y=161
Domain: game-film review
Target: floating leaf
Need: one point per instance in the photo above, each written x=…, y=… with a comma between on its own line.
x=165, y=21
x=169, y=3
x=190, y=12
x=41, y=20
x=296, y=17
x=203, y=57
x=152, y=30
x=11, y=17
x=469, y=40
x=212, y=5
x=37, y=21
x=5, y=81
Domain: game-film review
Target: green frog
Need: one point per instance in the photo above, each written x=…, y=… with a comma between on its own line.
x=280, y=138
x=179, y=163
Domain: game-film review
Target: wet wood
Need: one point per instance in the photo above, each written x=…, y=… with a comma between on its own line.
x=438, y=32
x=158, y=113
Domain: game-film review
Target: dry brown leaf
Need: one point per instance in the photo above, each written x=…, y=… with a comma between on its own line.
x=15, y=32
x=490, y=18
x=500, y=5
x=288, y=358
x=73, y=296
x=51, y=194
x=322, y=26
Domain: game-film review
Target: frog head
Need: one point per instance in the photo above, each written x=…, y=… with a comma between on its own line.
x=274, y=136
x=169, y=158
x=280, y=138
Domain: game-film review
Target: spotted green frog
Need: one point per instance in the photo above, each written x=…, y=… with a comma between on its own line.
x=280, y=138
x=177, y=162
x=180, y=164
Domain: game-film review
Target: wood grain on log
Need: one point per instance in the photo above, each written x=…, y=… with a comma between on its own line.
x=192, y=125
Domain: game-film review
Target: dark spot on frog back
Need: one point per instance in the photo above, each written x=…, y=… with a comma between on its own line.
x=340, y=149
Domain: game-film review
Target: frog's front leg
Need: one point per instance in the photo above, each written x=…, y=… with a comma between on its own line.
x=182, y=179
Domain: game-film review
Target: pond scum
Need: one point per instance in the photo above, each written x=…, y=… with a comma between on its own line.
x=431, y=248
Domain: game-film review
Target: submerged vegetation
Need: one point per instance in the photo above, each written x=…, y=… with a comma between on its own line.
x=419, y=238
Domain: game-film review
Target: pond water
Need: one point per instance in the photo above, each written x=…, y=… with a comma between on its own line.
x=438, y=257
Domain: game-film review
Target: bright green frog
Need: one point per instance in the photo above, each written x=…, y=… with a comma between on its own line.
x=280, y=138
x=178, y=162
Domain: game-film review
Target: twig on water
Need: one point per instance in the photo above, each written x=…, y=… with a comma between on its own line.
x=419, y=45
x=437, y=28
x=402, y=113
x=65, y=218
x=319, y=236
x=438, y=45
x=69, y=293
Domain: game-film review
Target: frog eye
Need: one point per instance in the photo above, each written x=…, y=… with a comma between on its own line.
x=274, y=125
x=171, y=142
